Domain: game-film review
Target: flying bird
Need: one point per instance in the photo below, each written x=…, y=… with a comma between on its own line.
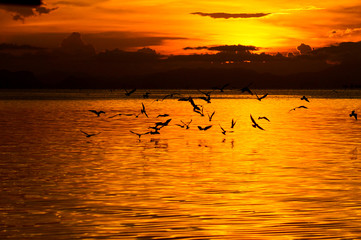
x=265, y=118
x=305, y=98
x=211, y=116
x=298, y=107
x=260, y=98
x=233, y=123
x=246, y=89
x=187, y=124
x=142, y=111
x=353, y=114
x=221, y=88
x=138, y=134
x=204, y=128
x=162, y=115
x=119, y=114
x=96, y=112
x=128, y=93
x=89, y=135
x=163, y=124
x=224, y=131
x=255, y=125
x=207, y=96
x=169, y=95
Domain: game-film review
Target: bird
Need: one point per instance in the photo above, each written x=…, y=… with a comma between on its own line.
x=204, y=128
x=128, y=93
x=260, y=98
x=305, y=98
x=207, y=96
x=169, y=95
x=298, y=107
x=163, y=124
x=200, y=111
x=96, y=112
x=89, y=135
x=211, y=116
x=221, y=88
x=187, y=124
x=138, y=134
x=353, y=114
x=224, y=131
x=246, y=89
x=162, y=115
x=143, y=110
x=184, y=99
x=265, y=118
x=255, y=125
x=233, y=123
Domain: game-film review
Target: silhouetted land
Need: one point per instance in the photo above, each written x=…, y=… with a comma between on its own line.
x=76, y=64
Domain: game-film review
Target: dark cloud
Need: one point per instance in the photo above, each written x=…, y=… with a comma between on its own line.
x=101, y=41
x=79, y=3
x=20, y=12
x=10, y=46
x=304, y=49
x=231, y=15
x=225, y=48
x=21, y=2
x=74, y=45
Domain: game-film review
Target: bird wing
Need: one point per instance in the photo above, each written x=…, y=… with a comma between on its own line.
x=253, y=120
x=259, y=127
x=264, y=96
x=222, y=128
x=131, y=91
x=200, y=128
x=84, y=132
x=93, y=111
x=208, y=127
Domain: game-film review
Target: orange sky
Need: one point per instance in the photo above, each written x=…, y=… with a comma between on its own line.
x=169, y=26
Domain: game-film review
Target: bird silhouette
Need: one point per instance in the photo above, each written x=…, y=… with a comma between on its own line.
x=305, y=98
x=353, y=114
x=138, y=134
x=255, y=125
x=162, y=115
x=265, y=118
x=169, y=96
x=89, y=135
x=246, y=89
x=204, y=128
x=128, y=93
x=211, y=116
x=221, y=88
x=207, y=96
x=260, y=98
x=224, y=131
x=163, y=124
x=233, y=123
x=142, y=111
x=293, y=109
x=187, y=124
x=97, y=112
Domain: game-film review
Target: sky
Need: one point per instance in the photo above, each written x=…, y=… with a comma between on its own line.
x=169, y=26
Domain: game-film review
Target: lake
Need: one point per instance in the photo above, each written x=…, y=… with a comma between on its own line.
x=299, y=178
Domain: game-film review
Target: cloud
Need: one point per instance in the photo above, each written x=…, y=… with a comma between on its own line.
x=20, y=12
x=231, y=15
x=225, y=48
x=21, y=2
x=304, y=49
x=79, y=3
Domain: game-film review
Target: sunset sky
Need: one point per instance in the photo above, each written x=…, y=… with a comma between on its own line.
x=169, y=26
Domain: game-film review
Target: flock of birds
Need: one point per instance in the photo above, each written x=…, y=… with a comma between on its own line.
x=197, y=108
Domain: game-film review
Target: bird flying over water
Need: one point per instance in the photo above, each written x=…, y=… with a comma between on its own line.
x=89, y=135
x=128, y=93
x=305, y=98
x=138, y=134
x=246, y=89
x=187, y=124
x=143, y=110
x=265, y=118
x=221, y=88
x=255, y=125
x=96, y=112
x=163, y=124
x=204, y=128
x=162, y=115
x=211, y=116
x=298, y=107
x=233, y=123
x=207, y=96
x=260, y=98
x=224, y=131
x=353, y=114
